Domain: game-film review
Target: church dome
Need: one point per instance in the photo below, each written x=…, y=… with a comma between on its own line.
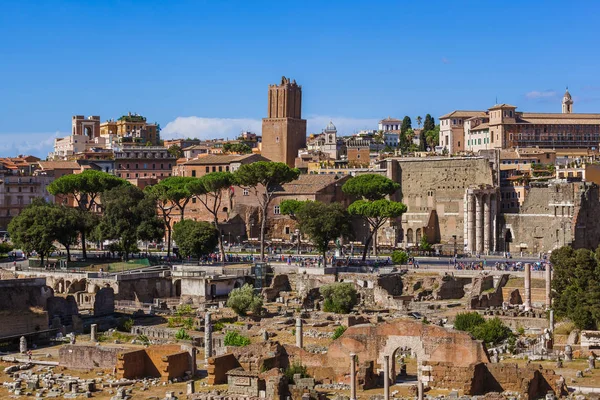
x=330, y=127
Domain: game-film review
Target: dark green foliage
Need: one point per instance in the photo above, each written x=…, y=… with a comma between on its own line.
x=241, y=300
x=33, y=229
x=238, y=148
x=467, y=321
x=429, y=123
x=432, y=137
x=370, y=186
x=576, y=286
x=264, y=178
x=424, y=244
x=129, y=216
x=6, y=248
x=323, y=223
x=399, y=257
x=181, y=334
x=294, y=369
x=195, y=238
x=233, y=338
x=340, y=298
x=406, y=124
x=339, y=331
x=125, y=325
x=175, y=151
x=489, y=331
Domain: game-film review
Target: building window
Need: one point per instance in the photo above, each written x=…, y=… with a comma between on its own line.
x=207, y=170
x=287, y=230
x=220, y=168
x=193, y=172
x=227, y=168
x=193, y=200
x=277, y=139
x=246, y=192
x=276, y=210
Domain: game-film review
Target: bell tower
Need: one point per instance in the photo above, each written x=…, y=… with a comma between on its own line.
x=567, y=103
x=284, y=130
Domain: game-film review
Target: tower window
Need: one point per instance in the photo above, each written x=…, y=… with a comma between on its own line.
x=276, y=210
x=277, y=139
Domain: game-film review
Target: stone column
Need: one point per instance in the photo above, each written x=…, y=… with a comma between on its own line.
x=193, y=363
x=548, y=286
x=207, y=337
x=486, y=224
x=493, y=228
x=23, y=345
x=478, y=224
x=386, y=377
x=551, y=327
x=299, y=334
x=527, y=287
x=420, y=389
x=94, y=332
x=471, y=222
x=352, y=376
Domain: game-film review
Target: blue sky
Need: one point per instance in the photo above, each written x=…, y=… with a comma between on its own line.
x=202, y=68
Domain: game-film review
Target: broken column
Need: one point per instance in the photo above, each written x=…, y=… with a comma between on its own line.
x=207, y=337
x=591, y=362
x=548, y=286
x=299, y=334
x=352, y=376
x=527, y=303
x=478, y=224
x=94, y=332
x=386, y=377
x=23, y=345
x=420, y=389
x=551, y=327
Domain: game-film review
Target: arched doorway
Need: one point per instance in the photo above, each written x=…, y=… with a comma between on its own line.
x=88, y=131
x=404, y=366
x=177, y=287
x=409, y=235
x=418, y=235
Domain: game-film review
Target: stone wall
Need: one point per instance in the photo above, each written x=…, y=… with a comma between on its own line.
x=63, y=307
x=166, y=362
x=21, y=294
x=88, y=357
x=219, y=366
x=22, y=322
x=104, y=302
x=552, y=216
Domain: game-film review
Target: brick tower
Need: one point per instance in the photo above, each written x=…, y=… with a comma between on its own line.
x=284, y=130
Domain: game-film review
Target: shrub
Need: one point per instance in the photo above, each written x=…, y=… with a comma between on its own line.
x=173, y=322
x=143, y=339
x=125, y=325
x=295, y=368
x=399, y=257
x=242, y=300
x=233, y=338
x=467, y=321
x=564, y=328
x=188, y=323
x=340, y=298
x=182, y=335
x=184, y=309
x=339, y=331
x=492, y=331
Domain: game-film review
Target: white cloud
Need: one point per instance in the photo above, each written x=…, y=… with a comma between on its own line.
x=210, y=128
x=36, y=144
x=544, y=94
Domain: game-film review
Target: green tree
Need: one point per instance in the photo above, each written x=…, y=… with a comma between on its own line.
x=323, y=223
x=195, y=238
x=129, y=217
x=6, y=248
x=492, y=331
x=265, y=178
x=241, y=300
x=373, y=207
x=399, y=257
x=429, y=123
x=209, y=190
x=419, y=121
x=86, y=189
x=424, y=244
x=178, y=191
x=163, y=197
x=237, y=148
x=432, y=137
x=33, y=229
x=468, y=321
x=67, y=222
x=576, y=286
x=291, y=209
x=339, y=298
x=406, y=124
x=175, y=151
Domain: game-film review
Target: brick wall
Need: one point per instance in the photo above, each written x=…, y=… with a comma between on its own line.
x=88, y=357
x=219, y=366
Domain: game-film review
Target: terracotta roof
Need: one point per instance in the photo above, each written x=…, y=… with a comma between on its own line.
x=463, y=114
x=503, y=105
x=557, y=118
x=388, y=119
x=481, y=127
x=312, y=183
x=59, y=165
x=216, y=159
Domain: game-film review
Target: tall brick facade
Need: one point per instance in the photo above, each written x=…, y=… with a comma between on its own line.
x=284, y=130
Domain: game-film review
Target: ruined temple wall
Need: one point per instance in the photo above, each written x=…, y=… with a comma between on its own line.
x=131, y=364
x=88, y=357
x=20, y=294
x=21, y=322
x=552, y=216
x=437, y=184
